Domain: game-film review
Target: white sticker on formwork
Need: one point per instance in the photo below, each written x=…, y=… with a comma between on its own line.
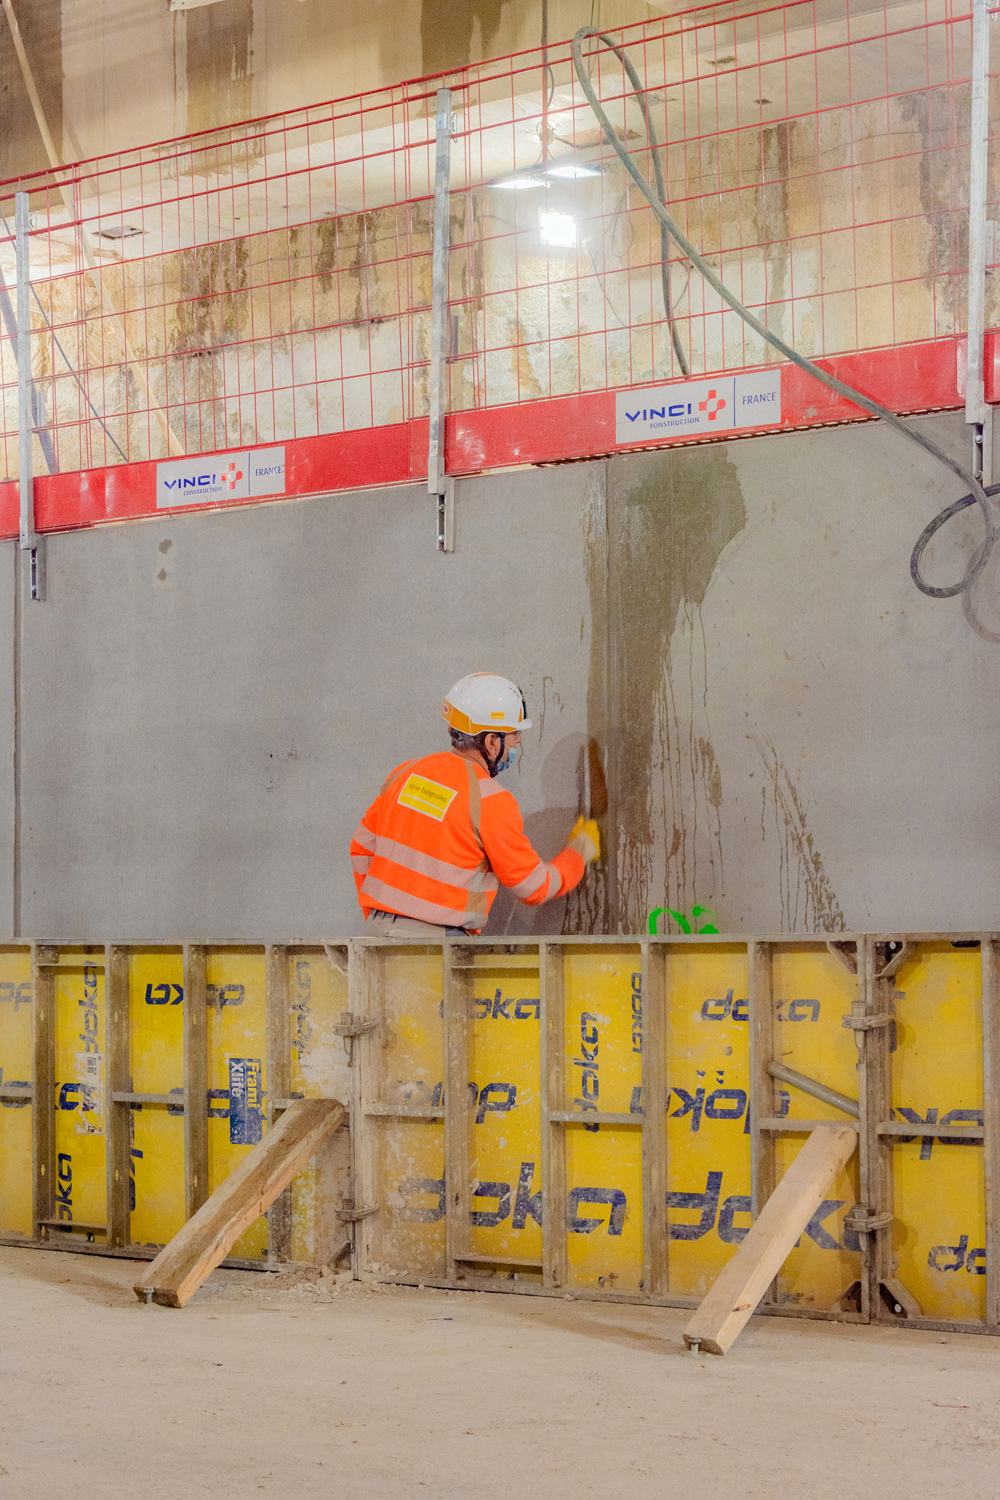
x=88, y=1074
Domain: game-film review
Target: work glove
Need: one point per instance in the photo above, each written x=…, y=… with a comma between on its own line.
x=585, y=839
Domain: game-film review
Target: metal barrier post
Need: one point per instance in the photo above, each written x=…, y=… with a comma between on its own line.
x=438, y=485
x=31, y=542
x=977, y=413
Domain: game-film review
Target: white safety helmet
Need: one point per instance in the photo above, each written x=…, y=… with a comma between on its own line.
x=482, y=702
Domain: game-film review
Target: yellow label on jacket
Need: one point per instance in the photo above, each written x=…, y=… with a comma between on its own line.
x=427, y=797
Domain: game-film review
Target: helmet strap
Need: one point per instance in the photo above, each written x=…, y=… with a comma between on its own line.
x=493, y=766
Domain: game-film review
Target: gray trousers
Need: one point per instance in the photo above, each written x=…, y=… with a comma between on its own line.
x=390, y=925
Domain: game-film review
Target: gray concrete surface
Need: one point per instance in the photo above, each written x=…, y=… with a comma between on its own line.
x=794, y=736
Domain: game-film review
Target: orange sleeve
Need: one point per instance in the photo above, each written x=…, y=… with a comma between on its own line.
x=363, y=850
x=513, y=860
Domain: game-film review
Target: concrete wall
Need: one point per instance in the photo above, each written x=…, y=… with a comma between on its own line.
x=116, y=72
x=793, y=735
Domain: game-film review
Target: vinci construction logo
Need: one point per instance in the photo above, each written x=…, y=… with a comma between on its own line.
x=226, y=476
x=722, y=404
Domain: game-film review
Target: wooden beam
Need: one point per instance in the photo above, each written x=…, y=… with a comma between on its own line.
x=195, y=1080
x=656, y=1276
x=279, y=1086
x=181, y=1267
x=741, y=1284
x=553, y=1055
x=116, y=1081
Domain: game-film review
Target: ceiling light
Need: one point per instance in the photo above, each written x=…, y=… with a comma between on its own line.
x=515, y=183
x=557, y=230
x=119, y=232
x=572, y=169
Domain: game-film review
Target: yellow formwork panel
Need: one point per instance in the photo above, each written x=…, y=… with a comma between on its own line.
x=602, y=1072
x=936, y=1063
x=15, y=1074
x=80, y=1122
x=409, y=1234
x=237, y=1070
x=812, y=992
x=939, y=1230
x=708, y=1093
x=504, y=1101
x=317, y=994
x=156, y=1066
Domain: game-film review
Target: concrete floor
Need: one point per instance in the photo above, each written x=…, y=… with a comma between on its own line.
x=267, y=1385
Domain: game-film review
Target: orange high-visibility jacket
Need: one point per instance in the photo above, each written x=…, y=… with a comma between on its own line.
x=439, y=839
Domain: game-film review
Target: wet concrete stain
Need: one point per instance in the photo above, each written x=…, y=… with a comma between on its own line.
x=590, y=908
x=668, y=517
x=447, y=27
x=21, y=147
x=219, y=64
x=808, y=900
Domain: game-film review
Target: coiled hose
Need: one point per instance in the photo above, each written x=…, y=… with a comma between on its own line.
x=977, y=494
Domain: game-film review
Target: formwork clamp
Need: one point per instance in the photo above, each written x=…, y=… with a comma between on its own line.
x=350, y=1213
x=350, y=1027
x=861, y=1221
x=867, y=1023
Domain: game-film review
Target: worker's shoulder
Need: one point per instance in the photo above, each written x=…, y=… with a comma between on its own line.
x=442, y=766
x=498, y=798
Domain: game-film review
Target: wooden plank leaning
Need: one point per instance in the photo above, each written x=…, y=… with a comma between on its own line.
x=206, y=1239
x=740, y=1285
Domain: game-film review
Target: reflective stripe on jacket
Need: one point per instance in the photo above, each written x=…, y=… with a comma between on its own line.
x=441, y=837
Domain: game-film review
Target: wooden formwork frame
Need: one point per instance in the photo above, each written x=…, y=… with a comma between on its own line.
x=873, y=958
x=48, y=959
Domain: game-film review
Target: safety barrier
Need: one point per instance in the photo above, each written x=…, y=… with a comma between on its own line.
x=270, y=282
x=505, y=1128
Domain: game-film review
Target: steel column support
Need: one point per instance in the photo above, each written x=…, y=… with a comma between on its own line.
x=977, y=413
x=30, y=541
x=438, y=485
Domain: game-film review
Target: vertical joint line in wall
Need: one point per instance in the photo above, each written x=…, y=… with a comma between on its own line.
x=16, y=666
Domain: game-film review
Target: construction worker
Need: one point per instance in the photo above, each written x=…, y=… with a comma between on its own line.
x=443, y=834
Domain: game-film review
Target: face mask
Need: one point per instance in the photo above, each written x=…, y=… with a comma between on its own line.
x=509, y=760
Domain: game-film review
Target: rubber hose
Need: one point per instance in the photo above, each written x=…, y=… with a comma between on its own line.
x=977, y=494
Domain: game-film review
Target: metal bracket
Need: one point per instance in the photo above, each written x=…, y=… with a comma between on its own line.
x=860, y=1221
x=867, y=1023
x=896, y=961
x=349, y=1214
x=899, y=1300
x=341, y=968
x=350, y=1027
x=446, y=517
x=848, y=959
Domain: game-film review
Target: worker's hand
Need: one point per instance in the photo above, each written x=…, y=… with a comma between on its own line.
x=585, y=839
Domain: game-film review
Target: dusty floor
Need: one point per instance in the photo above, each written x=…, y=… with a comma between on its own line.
x=264, y=1385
